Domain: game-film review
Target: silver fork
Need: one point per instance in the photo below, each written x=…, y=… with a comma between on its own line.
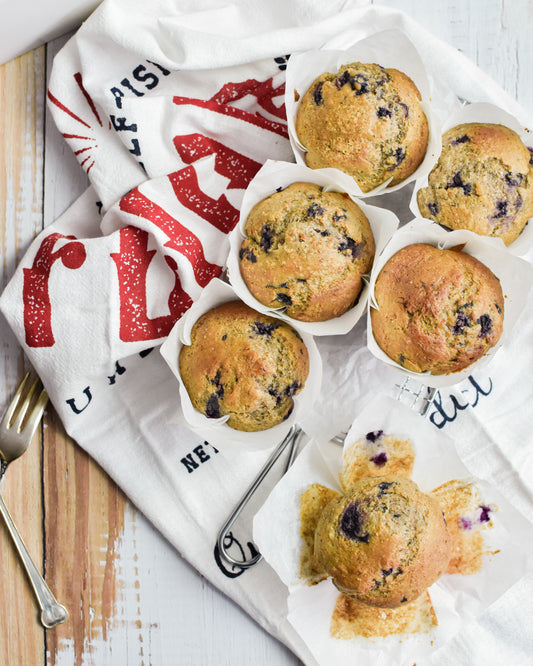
x=17, y=428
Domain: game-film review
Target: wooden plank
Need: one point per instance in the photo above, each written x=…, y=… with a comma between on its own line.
x=84, y=519
x=21, y=155
x=21, y=150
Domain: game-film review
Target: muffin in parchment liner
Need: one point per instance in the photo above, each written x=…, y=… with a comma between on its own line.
x=488, y=530
x=294, y=399
x=311, y=235
x=384, y=131
x=383, y=542
x=483, y=179
x=426, y=325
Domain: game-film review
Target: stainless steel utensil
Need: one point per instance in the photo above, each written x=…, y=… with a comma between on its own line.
x=292, y=438
x=17, y=428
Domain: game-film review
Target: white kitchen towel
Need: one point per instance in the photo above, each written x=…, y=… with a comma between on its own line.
x=139, y=77
x=171, y=107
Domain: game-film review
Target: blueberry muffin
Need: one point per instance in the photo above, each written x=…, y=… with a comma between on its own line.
x=384, y=542
x=437, y=310
x=483, y=181
x=366, y=121
x=306, y=250
x=243, y=364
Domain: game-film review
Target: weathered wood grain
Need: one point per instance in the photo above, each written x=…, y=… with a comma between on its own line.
x=21, y=150
x=83, y=522
x=491, y=33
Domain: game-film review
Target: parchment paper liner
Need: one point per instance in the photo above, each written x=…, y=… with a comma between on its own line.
x=515, y=275
x=484, y=113
x=390, y=49
x=456, y=598
x=269, y=178
x=216, y=430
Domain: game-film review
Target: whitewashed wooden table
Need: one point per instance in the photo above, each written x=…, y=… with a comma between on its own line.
x=132, y=600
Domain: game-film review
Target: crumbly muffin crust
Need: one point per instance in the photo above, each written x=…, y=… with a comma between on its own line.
x=483, y=181
x=365, y=120
x=376, y=454
x=467, y=517
x=384, y=542
x=438, y=310
x=243, y=364
x=352, y=619
x=307, y=250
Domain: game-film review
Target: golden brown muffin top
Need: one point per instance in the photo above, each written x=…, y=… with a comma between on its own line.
x=383, y=542
x=243, y=364
x=438, y=310
x=366, y=121
x=483, y=182
x=307, y=250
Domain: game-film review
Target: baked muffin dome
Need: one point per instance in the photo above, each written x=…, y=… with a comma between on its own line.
x=438, y=310
x=307, y=250
x=243, y=364
x=383, y=542
x=483, y=181
x=366, y=121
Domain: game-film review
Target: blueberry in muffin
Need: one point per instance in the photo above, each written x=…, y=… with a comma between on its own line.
x=307, y=250
x=483, y=182
x=365, y=120
x=245, y=365
x=383, y=542
x=437, y=310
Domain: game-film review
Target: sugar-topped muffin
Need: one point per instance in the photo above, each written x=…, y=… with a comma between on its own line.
x=437, y=310
x=307, y=250
x=483, y=181
x=366, y=121
x=243, y=364
x=383, y=542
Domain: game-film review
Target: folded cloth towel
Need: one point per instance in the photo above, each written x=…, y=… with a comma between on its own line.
x=171, y=107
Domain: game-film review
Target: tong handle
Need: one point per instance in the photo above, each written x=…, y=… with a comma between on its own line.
x=292, y=437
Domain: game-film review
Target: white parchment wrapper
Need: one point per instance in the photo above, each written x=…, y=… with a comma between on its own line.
x=270, y=177
x=479, y=112
x=515, y=275
x=457, y=599
x=390, y=49
x=217, y=431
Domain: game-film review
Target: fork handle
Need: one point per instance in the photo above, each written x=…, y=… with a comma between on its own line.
x=52, y=612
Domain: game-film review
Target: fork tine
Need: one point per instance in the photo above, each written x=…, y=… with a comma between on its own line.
x=18, y=419
x=8, y=415
x=36, y=413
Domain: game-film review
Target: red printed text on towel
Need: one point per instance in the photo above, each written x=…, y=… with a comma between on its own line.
x=133, y=258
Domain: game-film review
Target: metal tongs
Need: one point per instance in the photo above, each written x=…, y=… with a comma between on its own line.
x=415, y=394
x=292, y=439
